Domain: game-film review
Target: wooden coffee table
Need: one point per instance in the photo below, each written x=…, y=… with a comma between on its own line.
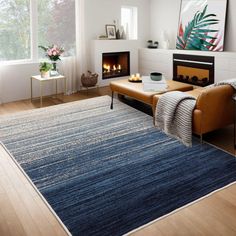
x=135, y=90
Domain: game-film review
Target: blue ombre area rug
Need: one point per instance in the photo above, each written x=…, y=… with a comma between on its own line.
x=107, y=172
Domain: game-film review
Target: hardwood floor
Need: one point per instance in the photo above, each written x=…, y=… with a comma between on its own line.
x=51, y=101
x=22, y=211
x=212, y=216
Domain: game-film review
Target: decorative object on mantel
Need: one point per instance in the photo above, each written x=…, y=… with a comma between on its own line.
x=89, y=80
x=111, y=31
x=102, y=37
x=165, y=40
x=201, y=26
x=44, y=69
x=120, y=32
x=53, y=53
x=152, y=44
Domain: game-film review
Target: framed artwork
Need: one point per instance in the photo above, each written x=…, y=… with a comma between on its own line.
x=202, y=25
x=111, y=31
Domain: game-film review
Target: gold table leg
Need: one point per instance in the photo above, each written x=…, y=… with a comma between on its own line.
x=65, y=88
x=56, y=88
x=31, y=87
x=41, y=94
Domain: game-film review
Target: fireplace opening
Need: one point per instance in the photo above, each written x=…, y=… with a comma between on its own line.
x=192, y=69
x=115, y=64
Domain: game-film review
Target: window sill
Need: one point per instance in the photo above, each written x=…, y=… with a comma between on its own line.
x=17, y=62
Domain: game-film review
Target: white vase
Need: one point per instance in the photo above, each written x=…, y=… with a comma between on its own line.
x=166, y=44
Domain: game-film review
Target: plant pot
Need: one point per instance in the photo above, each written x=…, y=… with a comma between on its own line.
x=45, y=74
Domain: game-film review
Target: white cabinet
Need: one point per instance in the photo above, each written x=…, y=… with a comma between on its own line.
x=161, y=60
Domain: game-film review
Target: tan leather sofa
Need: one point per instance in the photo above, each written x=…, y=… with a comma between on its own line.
x=214, y=108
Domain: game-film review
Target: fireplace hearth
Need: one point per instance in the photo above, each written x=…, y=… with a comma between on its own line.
x=115, y=64
x=192, y=69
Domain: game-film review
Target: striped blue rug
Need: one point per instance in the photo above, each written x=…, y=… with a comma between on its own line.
x=107, y=172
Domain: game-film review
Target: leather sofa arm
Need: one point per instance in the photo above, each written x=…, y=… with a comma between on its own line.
x=217, y=109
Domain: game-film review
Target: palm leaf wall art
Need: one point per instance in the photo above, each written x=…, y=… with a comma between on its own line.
x=202, y=31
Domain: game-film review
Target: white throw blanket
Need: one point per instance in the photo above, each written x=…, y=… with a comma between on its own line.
x=231, y=82
x=173, y=115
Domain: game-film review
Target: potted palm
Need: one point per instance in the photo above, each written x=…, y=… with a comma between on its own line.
x=44, y=69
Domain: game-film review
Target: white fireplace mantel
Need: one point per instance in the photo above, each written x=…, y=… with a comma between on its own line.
x=105, y=46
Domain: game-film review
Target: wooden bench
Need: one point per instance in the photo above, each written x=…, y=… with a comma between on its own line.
x=135, y=90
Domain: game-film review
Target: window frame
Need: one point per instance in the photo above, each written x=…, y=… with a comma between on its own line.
x=34, y=58
x=134, y=21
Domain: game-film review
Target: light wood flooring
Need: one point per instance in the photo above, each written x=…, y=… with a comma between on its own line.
x=23, y=212
x=22, y=209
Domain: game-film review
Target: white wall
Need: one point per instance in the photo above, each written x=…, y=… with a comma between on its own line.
x=15, y=78
x=165, y=16
x=98, y=15
x=102, y=12
x=15, y=82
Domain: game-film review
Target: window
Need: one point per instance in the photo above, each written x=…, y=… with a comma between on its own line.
x=15, y=38
x=56, y=24
x=129, y=20
x=26, y=24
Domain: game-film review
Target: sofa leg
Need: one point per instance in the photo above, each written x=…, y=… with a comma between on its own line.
x=201, y=138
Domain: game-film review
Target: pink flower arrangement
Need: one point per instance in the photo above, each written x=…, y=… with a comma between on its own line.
x=53, y=52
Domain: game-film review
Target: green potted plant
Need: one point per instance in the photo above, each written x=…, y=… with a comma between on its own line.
x=44, y=69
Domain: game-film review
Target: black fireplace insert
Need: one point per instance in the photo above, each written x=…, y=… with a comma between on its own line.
x=194, y=69
x=115, y=64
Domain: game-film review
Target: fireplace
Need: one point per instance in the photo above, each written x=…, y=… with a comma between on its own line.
x=115, y=64
x=192, y=69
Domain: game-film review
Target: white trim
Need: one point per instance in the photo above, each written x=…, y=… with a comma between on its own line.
x=34, y=29
x=35, y=188
x=195, y=62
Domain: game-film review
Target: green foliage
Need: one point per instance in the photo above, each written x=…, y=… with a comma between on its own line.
x=197, y=33
x=56, y=24
x=45, y=66
x=14, y=29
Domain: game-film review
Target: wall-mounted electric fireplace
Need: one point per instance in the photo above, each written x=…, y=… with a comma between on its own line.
x=192, y=69
x=115, y=64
